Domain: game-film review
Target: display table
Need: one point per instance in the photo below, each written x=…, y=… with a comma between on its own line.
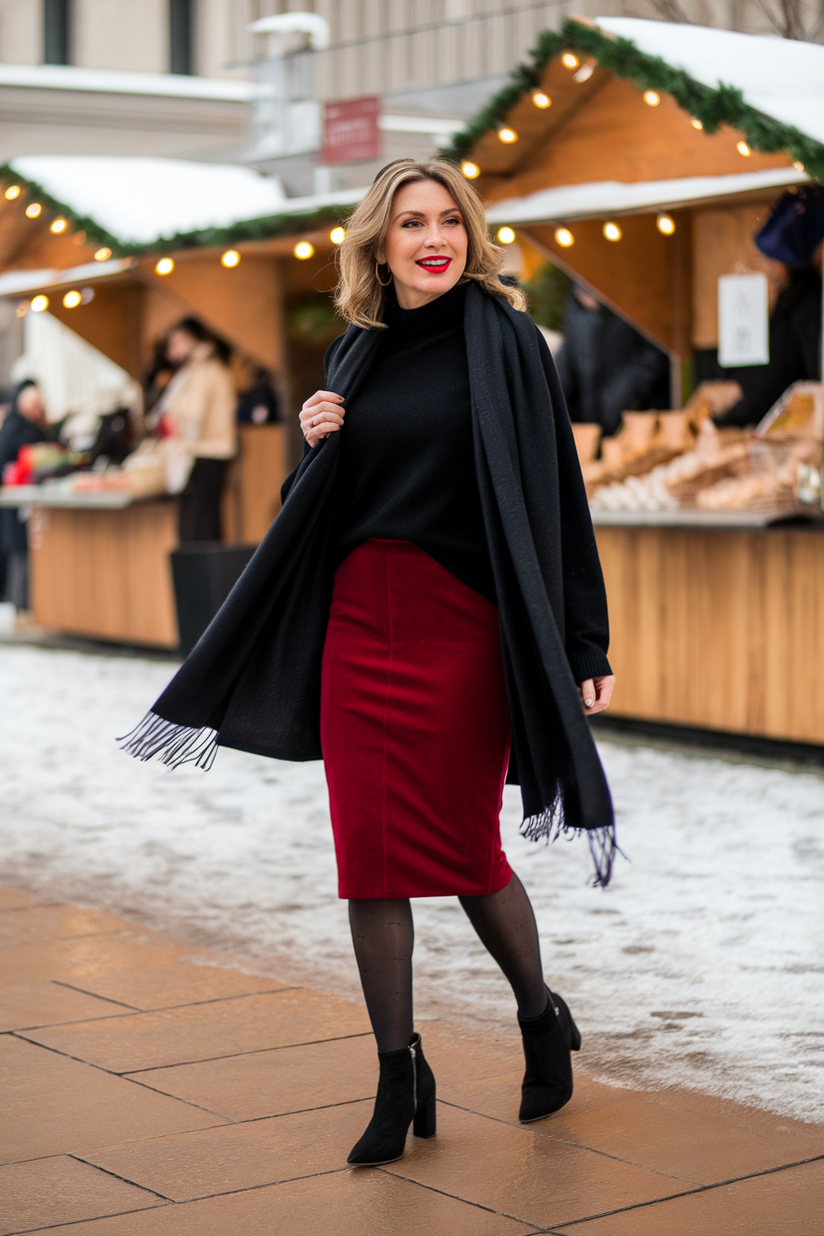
x=100, y=565
x=717, y=628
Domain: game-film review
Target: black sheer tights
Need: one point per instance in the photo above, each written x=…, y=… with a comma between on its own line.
x=383, y=935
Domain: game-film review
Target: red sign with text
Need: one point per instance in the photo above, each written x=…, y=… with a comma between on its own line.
x=350, y=130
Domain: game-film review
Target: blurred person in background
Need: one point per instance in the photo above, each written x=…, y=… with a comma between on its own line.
x=198, y=407
x=24, y=425
x=606, y=367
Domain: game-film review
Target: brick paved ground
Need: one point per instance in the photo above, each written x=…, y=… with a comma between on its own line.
x=146, y=1094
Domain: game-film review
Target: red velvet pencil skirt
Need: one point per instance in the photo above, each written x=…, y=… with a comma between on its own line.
x=414, y=728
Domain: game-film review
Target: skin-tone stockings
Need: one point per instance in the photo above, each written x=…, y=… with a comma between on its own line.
x=383, y=935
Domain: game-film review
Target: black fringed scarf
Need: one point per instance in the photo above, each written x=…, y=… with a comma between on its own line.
x=253, y=680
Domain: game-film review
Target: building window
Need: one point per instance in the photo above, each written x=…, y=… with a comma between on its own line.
x=180, y=35
x=56, y=31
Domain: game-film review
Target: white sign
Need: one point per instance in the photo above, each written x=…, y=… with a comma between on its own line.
x=743, y=320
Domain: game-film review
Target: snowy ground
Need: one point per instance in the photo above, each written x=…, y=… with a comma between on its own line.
x=701, y=965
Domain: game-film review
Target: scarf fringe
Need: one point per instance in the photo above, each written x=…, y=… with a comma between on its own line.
x=549, y=825
x=172, y=744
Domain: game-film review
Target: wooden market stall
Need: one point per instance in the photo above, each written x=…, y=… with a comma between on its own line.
x=100, y=561
x=617, y=155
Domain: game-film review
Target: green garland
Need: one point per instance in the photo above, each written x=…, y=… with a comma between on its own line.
x=265, y=228
x=712, y=106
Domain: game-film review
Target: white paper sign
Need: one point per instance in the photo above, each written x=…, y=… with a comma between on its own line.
x=743, y=320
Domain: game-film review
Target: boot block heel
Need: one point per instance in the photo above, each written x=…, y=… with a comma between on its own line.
x=425, y=1120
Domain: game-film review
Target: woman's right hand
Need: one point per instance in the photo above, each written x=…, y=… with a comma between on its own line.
x=321, y=415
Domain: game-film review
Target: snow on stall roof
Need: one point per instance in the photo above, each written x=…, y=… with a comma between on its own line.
x=601, y=197
x=139, y=200
x=784, y=78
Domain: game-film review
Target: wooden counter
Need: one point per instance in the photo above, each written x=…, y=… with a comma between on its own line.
x=719, y=629
x=105, y=573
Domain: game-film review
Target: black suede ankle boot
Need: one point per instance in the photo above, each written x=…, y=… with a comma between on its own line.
x=406, y=1095
x=548, y=1041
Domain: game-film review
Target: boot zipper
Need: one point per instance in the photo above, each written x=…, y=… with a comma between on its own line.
x=413, y=1054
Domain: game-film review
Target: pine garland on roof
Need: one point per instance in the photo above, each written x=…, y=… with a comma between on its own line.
x=712, y=106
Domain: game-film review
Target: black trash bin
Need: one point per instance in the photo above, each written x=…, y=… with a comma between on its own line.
x=204, y=574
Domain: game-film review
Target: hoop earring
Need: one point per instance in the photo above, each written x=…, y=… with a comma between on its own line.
x=378, y=274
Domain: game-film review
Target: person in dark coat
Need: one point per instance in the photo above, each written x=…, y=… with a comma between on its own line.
x=24, y=425
x=606, y=367
x=427, y=614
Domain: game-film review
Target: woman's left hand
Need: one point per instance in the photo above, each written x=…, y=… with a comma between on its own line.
x=597, y=693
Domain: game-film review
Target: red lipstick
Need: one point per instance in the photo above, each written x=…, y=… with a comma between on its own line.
x=436, y=264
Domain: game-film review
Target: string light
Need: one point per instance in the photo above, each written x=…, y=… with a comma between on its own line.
x=72, y=299
x=12, y=192
x=569, y=60
x=507, y=135
x=799, y=167
x=337, y=235
x=33, y=210
x=230, y=258
x=86, y=294
x=584, y=73
x=164, y=267
x=540, y=99
x=612, y=231
x=564, y=237
x=40, y=303
x=58, y=226
x=652, y=98
x=743, y=149
x=470, y=169
x=102, y=255
x=665, y=224
x=506, y=235
x=696, y=123
x=304, y=250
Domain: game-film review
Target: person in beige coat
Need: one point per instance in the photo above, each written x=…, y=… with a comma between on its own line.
x=199, y=409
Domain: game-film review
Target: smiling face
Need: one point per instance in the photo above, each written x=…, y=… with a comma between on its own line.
x=425, y=244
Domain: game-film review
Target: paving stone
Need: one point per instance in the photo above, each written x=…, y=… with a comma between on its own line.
x=140, y=969
x=62, y=1190
x=360, y=1202
x=269, y=1083
x=786, y=1203
x=536, y=1179
x=204, y=1031
x=239, y=1156
x=53, y=1105
x=47, y=922
x=42, y=1003
x=696, y=1137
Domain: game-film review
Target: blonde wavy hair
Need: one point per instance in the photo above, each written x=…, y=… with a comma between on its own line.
x=359, y=294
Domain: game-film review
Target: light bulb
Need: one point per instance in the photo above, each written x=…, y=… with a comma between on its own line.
x=230, y=258
x=584, y=73
x=612, y=231
x=665, y=224
x=506, y=235
x=507, y=135
x=72, y=299
x=103, y=255
x=696, y=123
x=164, y=267
x=799, y=167
x=33, y=210
x=12, y=192
x=652, y=98
x=470, y=169
x=743, y=149
x=540, y=99
x=58, y=226
x=304, y=250
x=338, y=235
x=564, y=237
x=569, y=60
x=40, y=303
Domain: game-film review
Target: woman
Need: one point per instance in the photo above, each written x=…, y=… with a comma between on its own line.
x=198, y=407
x=440, y=503
x=24, y=425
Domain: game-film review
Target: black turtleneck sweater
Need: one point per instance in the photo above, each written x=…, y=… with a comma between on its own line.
x=407, y=469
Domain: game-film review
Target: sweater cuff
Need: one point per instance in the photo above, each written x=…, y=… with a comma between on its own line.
x=588, y=662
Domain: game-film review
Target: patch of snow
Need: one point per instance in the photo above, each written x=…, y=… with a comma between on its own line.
x=700, y=966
